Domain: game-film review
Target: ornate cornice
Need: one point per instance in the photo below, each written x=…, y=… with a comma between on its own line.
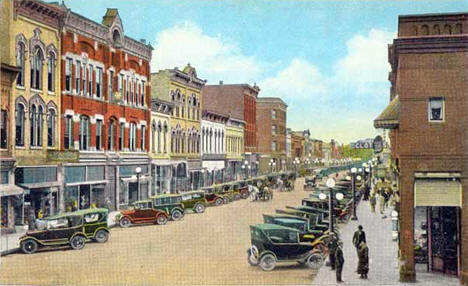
x=435, y=44
x=39, y=11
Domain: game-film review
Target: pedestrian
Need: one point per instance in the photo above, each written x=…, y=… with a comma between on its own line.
x=363, y=260
x=358, y=237
x=382, y=203
x=331, y=250
x=339, y=261
x=373, y=201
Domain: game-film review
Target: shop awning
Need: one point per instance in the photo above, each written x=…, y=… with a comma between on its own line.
x=389, y=118
x=437, y=193
x=10, y=190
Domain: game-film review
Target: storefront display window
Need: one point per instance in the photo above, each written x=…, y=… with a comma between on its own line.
x=35, y=175
x=95, y=173
x=75, y=174
x=71, y=198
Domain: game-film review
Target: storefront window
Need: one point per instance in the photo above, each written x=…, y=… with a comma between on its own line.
x=75, y=174
x=97, y=196
x=36, y=175
x=95, y=173
x=4, y=177
x=71, y=198
x=130, y=170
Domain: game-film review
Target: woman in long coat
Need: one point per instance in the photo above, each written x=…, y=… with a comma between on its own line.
x=363, y=256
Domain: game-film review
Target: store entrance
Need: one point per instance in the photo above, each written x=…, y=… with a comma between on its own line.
x=443, y=239
x=132, y=192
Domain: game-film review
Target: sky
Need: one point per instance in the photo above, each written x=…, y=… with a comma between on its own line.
x=326, y=59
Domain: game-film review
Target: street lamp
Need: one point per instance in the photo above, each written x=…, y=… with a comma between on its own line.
x=138, y=172
x=339, y=196
x=353, y=185
x=271, y=165
x=249, y=171
x=296, y=162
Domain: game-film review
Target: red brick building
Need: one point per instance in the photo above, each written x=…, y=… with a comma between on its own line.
x=428, y=121
x=105, y=106
x=271, y=132
x=238, y=101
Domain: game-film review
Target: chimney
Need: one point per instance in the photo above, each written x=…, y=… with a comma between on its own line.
x=220, y=82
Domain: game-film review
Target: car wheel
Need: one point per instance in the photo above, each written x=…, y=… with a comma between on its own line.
x=176, y=215
x=199, y=208
x=225, y=200
x=101, y=236
x=237, y=197
x=268, y=262
x=29, y=246
x=125, y=222
x=218, y=201
x=161, y=219
x=78, y=242
x=245, y=195
x=314, y=261
x=252, y=256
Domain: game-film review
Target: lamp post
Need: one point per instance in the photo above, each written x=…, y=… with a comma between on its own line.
x=296, y=162
x=249, y=171
x=339, y=196
x=138, y=172
x=353, y=185
x=271, y=165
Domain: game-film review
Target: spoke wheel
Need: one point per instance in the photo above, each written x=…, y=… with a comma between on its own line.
x=176, y=215
x=199, y=208
x=29, y=246
x=314, y=261
x=78, y=242
x=161, y=220
x=125, y=222
x=219, y=201
x=102, y=236
x=268, y=262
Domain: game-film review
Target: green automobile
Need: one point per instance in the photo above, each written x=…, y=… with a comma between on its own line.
x=73, y=228
x=194, y=200
x=171, y=204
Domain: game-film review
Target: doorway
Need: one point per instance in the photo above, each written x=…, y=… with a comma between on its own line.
x=132, y=192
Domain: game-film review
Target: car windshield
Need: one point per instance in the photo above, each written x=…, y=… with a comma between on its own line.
x=51, y=223
x=282, y=236
x=90, y=218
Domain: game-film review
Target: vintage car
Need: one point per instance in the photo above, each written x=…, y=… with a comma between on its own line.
x=171, y=204
x=73, y=228
x=194, y=200
x=141, y=212
x=308, y=224
x=213, y=196
x=272, y=243
x=242, y=187
x=233, y=190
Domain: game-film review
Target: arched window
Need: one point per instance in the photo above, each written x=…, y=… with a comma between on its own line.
x=153, y=137
x=19, y=132
x=20, y=54
x=3, y=129
x=159, y=137
x=84, y=133
x=68, y=135
x=36, y=68
x=111, y=135
x=165, y=137
x=51, y=71
x=33, y=125
x=40, y=124
x=51, y=128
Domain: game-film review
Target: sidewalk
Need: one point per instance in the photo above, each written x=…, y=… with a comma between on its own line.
x=9, y=243
x=383, y=255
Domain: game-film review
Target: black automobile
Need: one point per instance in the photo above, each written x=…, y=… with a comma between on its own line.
x=272, y=243
x=72, y=228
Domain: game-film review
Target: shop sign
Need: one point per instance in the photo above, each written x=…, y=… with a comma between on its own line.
x=63, y=156
x=378, y=144
x=437, y=193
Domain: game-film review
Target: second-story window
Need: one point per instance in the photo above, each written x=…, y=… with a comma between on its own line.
x=142, y=138
x=142, y=93
x=132, y=137
x=273, y=129
x=121, y=136
x=84, y=133
x=36, y=69
x=68, y=135
x=51, y=72
x=436, y=109
x=78, y=77
x=120, y=85
x=3, y=129
x=85, y=81
x=273, y=114
x=98, y=134
x=127, y=90
x=111, y=85
x=111, y=135
x=20, y=55
x=51, y=128
x=68, y=74
x=90, y=81
x=98, y=82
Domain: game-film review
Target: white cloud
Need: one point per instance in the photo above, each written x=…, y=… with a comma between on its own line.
x=215, y=58
x=300, y=79
x=365, y=66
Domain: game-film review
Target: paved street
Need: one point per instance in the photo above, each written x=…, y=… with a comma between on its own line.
x=206, y=249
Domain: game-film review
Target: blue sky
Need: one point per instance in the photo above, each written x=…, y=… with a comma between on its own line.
x=326, y=59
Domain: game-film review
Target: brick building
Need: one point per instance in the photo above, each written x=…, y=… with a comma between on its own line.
x=106, y=111
x=238, y=101
x=427, y=118
x=271, y=132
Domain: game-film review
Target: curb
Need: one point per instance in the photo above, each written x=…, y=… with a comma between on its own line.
x=9, y=251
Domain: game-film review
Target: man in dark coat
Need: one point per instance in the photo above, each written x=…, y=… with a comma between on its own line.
x=363, y=262
x=358, y=237
x=339, y=261
x=331, y=249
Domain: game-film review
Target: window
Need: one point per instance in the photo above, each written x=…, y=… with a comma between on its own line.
x=68, y=74
x=120, y=83
x=98, y=82
x=68, y=135
x=132, y=90
x=36, y=69
x=40, y=124
x=436, y=109
x=164, y=138
x=51, y=128
x=273, y=129
x=90, y=80
x=121, y=136
x=273, y=114
x=273, y=146
x=142, y=138
x=3, y=130
x=32, y=125
x=98, y=134
x=111, y=135
x=50, y=72
x=32, y=175
x=127, y=89
x=153, y=137
x=78, y=77
x=159, y=138
x=132, y=137
x=142, y=93
x=84, y=133
x=111, y=87
x=20, y=64
x=4, y=177
x=85, y=79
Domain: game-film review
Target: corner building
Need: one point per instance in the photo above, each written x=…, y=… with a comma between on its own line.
x=106, y=109
x=428, y=121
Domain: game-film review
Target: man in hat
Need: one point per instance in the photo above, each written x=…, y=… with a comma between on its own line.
x=339, y=261
x=358, y=237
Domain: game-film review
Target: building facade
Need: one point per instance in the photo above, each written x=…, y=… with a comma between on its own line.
x=106, y=111
x=182, y=88
x=31, y=42
x=213, y=145
x=427, y=118
x=235, y=149
x=238, y=101
x=160, y=143
x=271, y=132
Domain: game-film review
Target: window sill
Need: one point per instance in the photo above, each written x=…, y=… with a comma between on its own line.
x=35, y=90
x=435, y=122
x=35, y=147
x=20, y=147
x=52, y=93
x=21, y=87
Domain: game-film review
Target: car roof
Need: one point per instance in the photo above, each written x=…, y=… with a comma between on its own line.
x=270, y=226
x=142, y=201
x=165, y=196
x=285, y=216
x=77, y=213
x=192, y=192
x=290, y=220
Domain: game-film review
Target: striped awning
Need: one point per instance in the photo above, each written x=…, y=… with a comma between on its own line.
x=389, y=118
